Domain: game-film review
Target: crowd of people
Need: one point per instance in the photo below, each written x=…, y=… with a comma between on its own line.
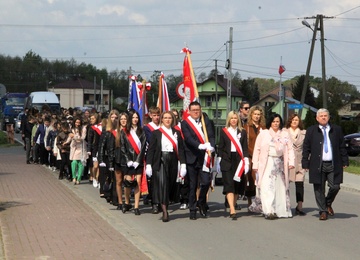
x=168, y=160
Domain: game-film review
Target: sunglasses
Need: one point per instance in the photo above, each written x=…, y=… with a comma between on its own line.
x=246, y=108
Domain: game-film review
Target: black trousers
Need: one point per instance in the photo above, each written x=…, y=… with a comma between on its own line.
x=65, y=167
x=197, y=176
x=327, y=174
x=299, y=189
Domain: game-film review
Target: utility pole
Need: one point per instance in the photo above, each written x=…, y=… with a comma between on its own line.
x=319, y=19
x=216, y=97
x=95, y=93
x=229, y=68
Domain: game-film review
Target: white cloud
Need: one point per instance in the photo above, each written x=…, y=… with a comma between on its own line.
x=137, y=18
x=108, y=9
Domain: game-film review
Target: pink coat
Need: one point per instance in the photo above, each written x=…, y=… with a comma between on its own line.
x=78, y=146
x=261, y=152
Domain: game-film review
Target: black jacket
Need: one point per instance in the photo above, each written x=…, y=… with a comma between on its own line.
x=127, y=151
x=312, y=153
x=106, y=149
x=93, y=142
x=153, y=156
x=224, y=149
x=192, y=142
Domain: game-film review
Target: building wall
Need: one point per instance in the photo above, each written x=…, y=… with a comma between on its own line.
x=75, y=98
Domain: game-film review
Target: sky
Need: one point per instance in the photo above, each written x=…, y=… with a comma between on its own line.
x=147, y=35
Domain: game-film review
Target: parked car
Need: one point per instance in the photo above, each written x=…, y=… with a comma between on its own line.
x=18, y=122
x=352, y=144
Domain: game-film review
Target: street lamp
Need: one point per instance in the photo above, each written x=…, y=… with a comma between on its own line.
x=305, y=23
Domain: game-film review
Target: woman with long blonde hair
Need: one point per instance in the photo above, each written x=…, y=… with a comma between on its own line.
x=233, y=159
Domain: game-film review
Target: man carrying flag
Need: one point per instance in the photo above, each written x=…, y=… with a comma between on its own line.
x=199, y=142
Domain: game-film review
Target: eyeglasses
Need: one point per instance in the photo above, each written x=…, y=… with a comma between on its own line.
x=246, y=108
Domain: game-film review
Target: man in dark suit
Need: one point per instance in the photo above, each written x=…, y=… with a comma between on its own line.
x=198, y=149
x=325, y=156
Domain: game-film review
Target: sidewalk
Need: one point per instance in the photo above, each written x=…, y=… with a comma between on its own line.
x=41, y=218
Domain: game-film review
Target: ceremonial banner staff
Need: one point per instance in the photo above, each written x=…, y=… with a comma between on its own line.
x=188, y=52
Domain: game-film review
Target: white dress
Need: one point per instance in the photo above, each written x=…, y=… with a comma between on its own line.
x=274, y=196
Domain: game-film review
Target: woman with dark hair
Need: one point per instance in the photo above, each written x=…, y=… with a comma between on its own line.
x=119, y=176
x=94, y=133
x=233, y=159
x=63, y=144
x=297, y=135
x=165, y=151
x=133, y=143
x=78, y=154
x=273, y=156
x=254, y=125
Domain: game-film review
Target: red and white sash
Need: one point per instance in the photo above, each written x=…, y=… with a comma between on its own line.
x=152, y=126
x=208, y=160
x=97, y=128
x=178, y=127
x=134, y=141
x=172, y=140
x=241, y=167
x=114, y=132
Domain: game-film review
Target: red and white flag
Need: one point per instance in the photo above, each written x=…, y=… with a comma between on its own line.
x=163, y=99
x=281, y=69
x=189, y=88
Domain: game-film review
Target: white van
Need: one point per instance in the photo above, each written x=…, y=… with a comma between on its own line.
x=40, y=98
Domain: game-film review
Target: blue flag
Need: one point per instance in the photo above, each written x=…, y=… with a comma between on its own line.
x=135, y=100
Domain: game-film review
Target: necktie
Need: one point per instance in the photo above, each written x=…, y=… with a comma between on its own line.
x=325, y=140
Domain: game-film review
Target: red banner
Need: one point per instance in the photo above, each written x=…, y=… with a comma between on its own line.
x=189, y=88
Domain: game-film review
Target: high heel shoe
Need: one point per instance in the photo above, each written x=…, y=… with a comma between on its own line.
x=167, y=217
x=299, y=212
x=137, y=211
x=126, y=207
x=233, y=216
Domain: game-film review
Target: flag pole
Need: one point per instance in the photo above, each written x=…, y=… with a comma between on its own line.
x=159, y=103
x=197, y=97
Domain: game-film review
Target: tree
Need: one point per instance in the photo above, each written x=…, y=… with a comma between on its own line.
x=202, y=77
x=297, y=92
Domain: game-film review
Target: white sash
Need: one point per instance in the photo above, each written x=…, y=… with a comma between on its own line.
x=136, y=138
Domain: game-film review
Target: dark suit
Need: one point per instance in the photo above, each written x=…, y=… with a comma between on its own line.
x=195, y=160
x=320, y=171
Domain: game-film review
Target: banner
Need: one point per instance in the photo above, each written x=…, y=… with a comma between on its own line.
x=189, y=86
x=163, y=99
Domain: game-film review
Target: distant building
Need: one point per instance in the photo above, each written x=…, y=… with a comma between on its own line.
x=351, y=111
x=272, y=103
x=79, y=92
x=207, y=95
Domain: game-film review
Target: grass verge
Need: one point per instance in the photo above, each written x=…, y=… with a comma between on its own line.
x=354, y=167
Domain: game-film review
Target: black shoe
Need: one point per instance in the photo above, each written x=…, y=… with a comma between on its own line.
x=126, y=207
x=237, y=207
x=119, y=207
x=299, y=212
x=137, y=211
x=193, y=215
x=165, y=219
x=27, y=162
x=233, y=216
x=203, y=211
x=155, y=209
